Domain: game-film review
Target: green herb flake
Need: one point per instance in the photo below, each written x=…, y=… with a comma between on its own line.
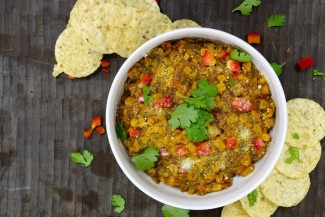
x=118, y=202
x=240, y=56
x=246, y=7
x=121, y=134
x=183, y=116
x=294, y=152
x=296, y=136
x=84, y=159
x=252, y=197
x=276, y=20
x=147, y=159
x=277, y=68
x=232, y=82
x=317, y=73
x=205, y=89
x=170, y=211
x=146, y=97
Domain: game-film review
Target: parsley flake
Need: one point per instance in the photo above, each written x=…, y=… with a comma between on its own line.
x=84, y=159
x=183, y=116
x=121, y=134
x=317, y=73
x=147, y=159
x=296, y=136
x=276, y=20
x=277, y=68
x=246, y=7
x=240, y=56
x=294, y=152
x=146, y=97
x=170, y=211
x=252, y=197
x=119, y=202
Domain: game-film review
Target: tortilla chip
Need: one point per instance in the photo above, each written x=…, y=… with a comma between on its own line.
x=74, y=56
x=309, y=158
x=234, y=210
x=284, y=191
x=184, y=23
x=262, y=207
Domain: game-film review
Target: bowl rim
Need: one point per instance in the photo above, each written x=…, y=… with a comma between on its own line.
x=210, y=200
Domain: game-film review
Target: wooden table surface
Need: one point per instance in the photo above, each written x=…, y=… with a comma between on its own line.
x=42, y=118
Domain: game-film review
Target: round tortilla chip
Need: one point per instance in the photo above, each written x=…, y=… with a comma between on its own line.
x=262, y=207
x=234, y=210
x=309, y=158
x=74, y=56
x=306, y=138
x=184, y=23
x=284, y=191
x=305, y=114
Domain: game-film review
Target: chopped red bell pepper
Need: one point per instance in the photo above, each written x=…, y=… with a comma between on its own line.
x=203, y=149
x=104, y=63
x=71, y=77
x=182, y=150
x=96, y=122
x=164, y=102
x=242, y=104
x=223, y=55
x=164, y=152
x=258, y=143
x=254, y=38
x=147, y=78
x=134, y=132
x=106, y=70
x=305, y=63
x=100, y=130
x=208, y=59
x=234, y=66
x=231, y=142
x=88, y=133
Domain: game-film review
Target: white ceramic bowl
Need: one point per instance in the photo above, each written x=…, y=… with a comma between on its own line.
x=241, y=185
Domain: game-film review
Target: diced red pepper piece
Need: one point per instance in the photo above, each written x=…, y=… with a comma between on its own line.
x=71, y=77
x=181, y=150
x=223, y=55
x=147, y=78
x=164, y=152
x=208, y=59
x=305, y=63
x=254, y=38
x=235, y=75
x=100, y=130
x=96, y=122
x=164, y=102
x=134, y=132
x=104, y=63
x=242, y=104
x=140, y=98
x=234, y=66
x=203, y=149
x=231, y=142
x=258, y=143
x=88, y=133
x=106, y=70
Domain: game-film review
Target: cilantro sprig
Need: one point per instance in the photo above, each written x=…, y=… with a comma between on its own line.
x=146, y=97
x=147, y=159
x=277, y=67
x=118, y=202
x=252, y=197
x=240, y=56
x=276, y=20
x=294, y=152
x=170, y=211
x=318, y=73
x=85, y=158
x=246, y=7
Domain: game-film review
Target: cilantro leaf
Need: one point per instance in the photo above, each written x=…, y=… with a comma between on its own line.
x=183, y=116
x=121, y=134
x=147, y=159
x=170, y=211
x=205, y=89
x=246, y=7
x=198, y=132
x=119, y=202
x=198, y=102
x=294, y=155
x=317, y=73
x=146, y=97
x=84, y=159
x=240, y=56
x=277, y=68
x=276, y=20
x=296, y=136
x=232, y=82
x=252, y=197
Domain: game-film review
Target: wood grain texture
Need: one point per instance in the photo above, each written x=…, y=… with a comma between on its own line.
x=42, y=118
